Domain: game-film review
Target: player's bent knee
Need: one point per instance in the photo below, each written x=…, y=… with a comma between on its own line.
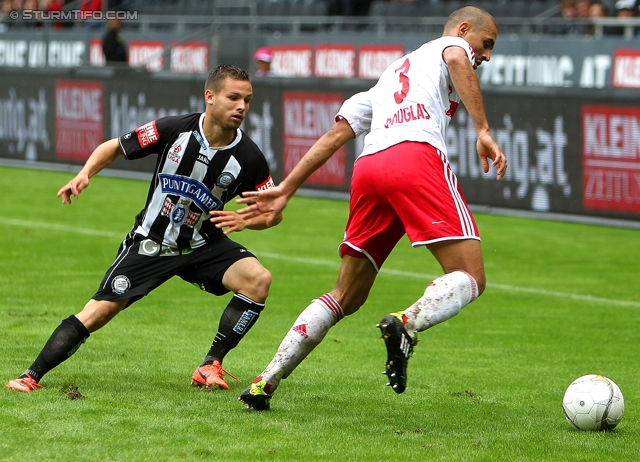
x=481, y=280
x=258, y=284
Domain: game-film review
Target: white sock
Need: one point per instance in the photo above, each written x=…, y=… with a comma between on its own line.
x=442, y=300
x=306, y=333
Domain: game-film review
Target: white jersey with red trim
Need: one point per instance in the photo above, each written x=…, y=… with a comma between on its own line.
x=414, y=100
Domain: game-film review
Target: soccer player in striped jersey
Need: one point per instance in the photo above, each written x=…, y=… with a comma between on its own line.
x=402, y=184
x=203, y=161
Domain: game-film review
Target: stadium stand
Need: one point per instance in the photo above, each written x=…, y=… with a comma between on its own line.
x=379, y=8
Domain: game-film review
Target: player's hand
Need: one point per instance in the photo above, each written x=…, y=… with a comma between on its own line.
x=272, y=200
x=232, y=221
x=489, y=149
x=73, y=187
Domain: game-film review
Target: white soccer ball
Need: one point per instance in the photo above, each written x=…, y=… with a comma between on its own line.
x=593, y=402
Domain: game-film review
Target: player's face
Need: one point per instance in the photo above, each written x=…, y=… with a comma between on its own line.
x=482, y=41
x=230, y=104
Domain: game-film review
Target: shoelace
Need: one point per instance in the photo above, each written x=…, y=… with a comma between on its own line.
x=230, y=374
x=30, y=382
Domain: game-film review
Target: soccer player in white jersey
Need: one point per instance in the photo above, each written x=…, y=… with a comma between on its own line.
x=402, y=183
x=204, y=160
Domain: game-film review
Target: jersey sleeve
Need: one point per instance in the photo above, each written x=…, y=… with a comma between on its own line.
x=150, y=138
x=447, y=42
x=260, y=167
x=357, y=112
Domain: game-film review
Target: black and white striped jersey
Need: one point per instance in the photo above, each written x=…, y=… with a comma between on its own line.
x=191, y=178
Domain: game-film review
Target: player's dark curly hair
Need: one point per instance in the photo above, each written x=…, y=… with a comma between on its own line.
x=221, y=72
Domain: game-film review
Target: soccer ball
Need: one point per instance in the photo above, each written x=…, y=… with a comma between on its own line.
x=593, y=402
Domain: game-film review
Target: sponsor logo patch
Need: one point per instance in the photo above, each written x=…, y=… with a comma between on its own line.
x=203, y=159
x=245, y=321
x=120, y=284
x=147, y=134
x=191, y=189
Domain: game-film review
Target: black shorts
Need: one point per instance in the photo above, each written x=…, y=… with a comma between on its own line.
x=142, y=265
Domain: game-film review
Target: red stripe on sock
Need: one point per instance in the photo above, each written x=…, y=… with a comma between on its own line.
x=333, y=306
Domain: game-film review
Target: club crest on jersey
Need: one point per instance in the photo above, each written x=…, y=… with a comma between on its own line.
x=225, y=179
x=179, y=213
x=147, y=134
x=120, y=284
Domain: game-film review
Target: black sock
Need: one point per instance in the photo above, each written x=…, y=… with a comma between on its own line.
x=64, y=342
x=239, y=316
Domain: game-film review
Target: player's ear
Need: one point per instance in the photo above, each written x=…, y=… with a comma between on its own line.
x=209, y=96
x=463, y=29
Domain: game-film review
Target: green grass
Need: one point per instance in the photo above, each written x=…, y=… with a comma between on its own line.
x=562, y=301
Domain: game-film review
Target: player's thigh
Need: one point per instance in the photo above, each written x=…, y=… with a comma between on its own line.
x=208, y=265
x=461, y=255
x=137, y=270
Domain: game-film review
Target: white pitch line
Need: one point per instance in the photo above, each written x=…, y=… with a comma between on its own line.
x=506, y=287
x=57, y=227
x=335, y=264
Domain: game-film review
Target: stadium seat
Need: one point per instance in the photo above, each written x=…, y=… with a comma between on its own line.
x=518, y=9
x=377, y=8
x=316, y=8
x=384, y=9
x=277, y=8
x=540, y=6
x=409, y=10
x=198, y=8
x=431, y=9
x=452, y=5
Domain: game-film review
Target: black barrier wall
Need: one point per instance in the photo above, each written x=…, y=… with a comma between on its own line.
x=570, y=151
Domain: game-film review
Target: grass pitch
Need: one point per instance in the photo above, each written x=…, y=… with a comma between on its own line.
x=562, y=301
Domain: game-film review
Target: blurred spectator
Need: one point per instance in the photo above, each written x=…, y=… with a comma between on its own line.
x=91, y=5
x=6, y=8
x=582, y=9
x=113, y=46
x=262, y=57
x=54, y=6
x=596, y=10
x=624, y=9
x=569, y=13
x=32, y=5
x=87, y=7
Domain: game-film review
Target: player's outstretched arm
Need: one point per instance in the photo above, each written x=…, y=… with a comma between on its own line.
x=234, y=222
x=274, y=200
x=465, y=80
x=102, y=156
